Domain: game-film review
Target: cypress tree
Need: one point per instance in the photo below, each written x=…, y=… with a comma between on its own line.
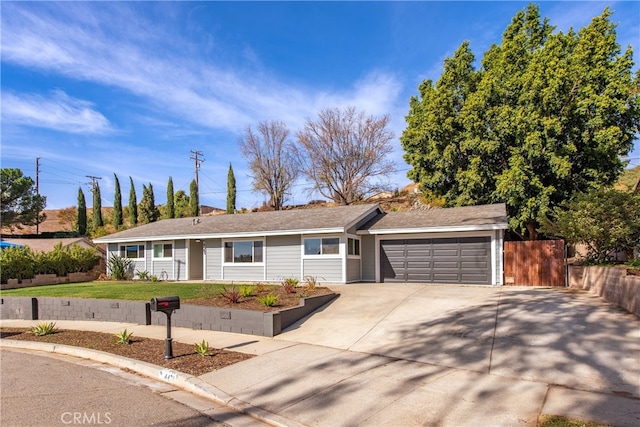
x=231, y=191
x=133, y=205
x=117, y=205
x=82, y=213
x=194, y=200
x=170, y=208
x=148, y=212
x=97, y=208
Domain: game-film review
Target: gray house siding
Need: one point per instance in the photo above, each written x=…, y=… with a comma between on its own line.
x=249, y=273
x=214, y=259
x=180, y=260
x=163, y=269
x=368, y=257
x=283, y=257
x=353, y=270
x=324, y=270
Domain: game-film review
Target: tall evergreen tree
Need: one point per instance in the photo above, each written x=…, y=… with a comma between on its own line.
x=82, y=213
x=170, y=207
x=117, y=204
x=194, y=199
x=231, y=191
x=97, y=207
x=133, y=205
x=147, y=209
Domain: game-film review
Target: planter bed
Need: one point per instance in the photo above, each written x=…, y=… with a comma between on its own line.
x=211, y=318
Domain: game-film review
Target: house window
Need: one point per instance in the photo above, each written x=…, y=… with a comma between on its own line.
x=324, y=246
x=132, y=251
x=162, y=250
x=353, y=247
x=243, y=251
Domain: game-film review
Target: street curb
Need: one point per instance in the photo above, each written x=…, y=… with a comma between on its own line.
x=187, y=382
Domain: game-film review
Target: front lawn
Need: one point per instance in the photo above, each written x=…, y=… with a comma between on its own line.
x=135, y=291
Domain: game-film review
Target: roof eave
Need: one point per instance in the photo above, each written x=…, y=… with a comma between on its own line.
x=442, y=229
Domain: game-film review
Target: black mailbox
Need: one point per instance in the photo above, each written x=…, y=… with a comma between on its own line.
x=165, y=304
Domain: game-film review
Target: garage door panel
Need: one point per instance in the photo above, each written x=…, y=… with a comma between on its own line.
x=450, y=260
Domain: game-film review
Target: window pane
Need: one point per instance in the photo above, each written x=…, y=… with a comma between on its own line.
x=242, y=251
x=141, y=251
x=356, y=247
x=228, y=252
x=312, y=247
x=131, y=252
x=157, y=251
x=257, y=251
x=123, y=252
x=330, y=246
x=168, y=252
x=350, y=249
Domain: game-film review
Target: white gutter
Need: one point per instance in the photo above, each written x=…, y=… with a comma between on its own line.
x=434, y=229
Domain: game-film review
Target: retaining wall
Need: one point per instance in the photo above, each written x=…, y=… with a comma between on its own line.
x=611, y=283
x=249, y=322
x=49, y=279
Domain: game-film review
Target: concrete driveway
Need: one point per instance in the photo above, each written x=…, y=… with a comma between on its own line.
x=551, y=336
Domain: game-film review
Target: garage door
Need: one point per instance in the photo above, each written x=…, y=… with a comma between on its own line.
x=460, y=260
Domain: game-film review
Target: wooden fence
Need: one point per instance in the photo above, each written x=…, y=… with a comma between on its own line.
x=534, y=263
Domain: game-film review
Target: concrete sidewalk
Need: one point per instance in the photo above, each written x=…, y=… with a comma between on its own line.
x=450, y=356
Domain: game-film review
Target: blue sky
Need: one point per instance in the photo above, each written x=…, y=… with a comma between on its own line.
x=97, y=88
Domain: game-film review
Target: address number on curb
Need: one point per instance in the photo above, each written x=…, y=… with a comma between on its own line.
x=168, y=375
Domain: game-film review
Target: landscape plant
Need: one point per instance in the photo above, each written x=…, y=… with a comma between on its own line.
x=202, y=348
x=119, y=268
x=289, y=284
x=269, y=300
x=123, y=337
x=142, y=275
x=231, y=295
x=43, y=329
x=246, y=291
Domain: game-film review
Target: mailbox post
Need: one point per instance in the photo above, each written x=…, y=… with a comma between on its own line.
x=166, y=305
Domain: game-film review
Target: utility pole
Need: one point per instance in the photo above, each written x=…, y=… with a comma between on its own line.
x=196, y=157
x=93, y=181
x=38, y=193
x=197, y=161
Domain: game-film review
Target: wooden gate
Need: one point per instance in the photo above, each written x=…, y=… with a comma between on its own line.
x=534, y=263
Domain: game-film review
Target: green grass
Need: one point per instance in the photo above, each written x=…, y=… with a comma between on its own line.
x=135, y=291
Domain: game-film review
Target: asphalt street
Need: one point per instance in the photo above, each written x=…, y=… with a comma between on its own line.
x=57, y=390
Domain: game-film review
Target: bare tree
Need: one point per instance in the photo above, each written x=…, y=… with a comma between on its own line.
x=343, y=151
x=272, y=160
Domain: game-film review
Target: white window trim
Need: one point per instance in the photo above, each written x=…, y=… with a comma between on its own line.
x=162, y=258
x=133, y=244
x=323, y=256
x=243, y=264
x=359, y=256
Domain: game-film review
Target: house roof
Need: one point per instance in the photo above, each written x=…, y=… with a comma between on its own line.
x=467, y=218
x=47, y=245
x=326, y=220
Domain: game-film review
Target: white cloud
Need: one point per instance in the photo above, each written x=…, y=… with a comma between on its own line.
x=59, y=112
x=84, y=44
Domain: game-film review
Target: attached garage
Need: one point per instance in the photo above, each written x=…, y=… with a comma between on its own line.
x=453, y=260
x=456, y=245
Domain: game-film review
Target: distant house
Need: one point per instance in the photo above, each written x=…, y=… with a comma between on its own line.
x=335, y=245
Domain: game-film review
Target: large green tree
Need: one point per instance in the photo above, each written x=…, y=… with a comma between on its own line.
x=231, y=191
x=82, y=213
x=147, y=209
x=169, y=209
x=97, y=207
x=181, y=203
x=117, y=204
x=194, y=199
x=133, y=204
x=20, y=204
x=546, y=116
x=607, y=221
